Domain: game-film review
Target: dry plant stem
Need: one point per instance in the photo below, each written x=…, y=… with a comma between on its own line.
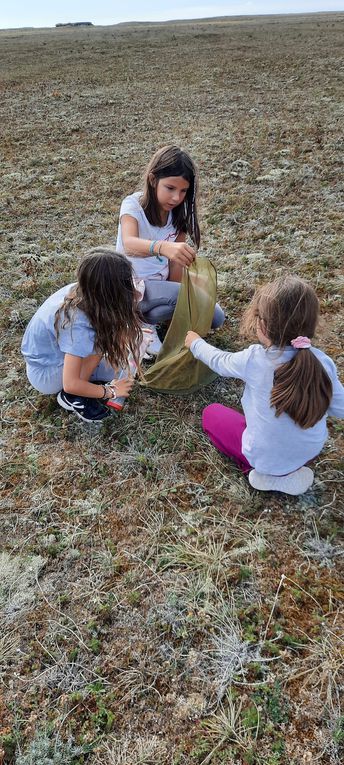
x=53, y=608
x=229, y=718
x=273, y=606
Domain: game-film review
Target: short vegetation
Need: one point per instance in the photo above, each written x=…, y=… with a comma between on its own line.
x=154, y=608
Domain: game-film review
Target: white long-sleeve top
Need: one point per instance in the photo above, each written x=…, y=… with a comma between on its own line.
x=272, y=445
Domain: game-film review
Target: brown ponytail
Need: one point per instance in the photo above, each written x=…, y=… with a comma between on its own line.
x=289, y=307
x=302, y=389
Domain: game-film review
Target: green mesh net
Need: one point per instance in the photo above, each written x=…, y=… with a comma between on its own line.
x=175, y=369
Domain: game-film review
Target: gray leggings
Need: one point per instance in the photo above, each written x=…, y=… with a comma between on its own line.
x=159, y=302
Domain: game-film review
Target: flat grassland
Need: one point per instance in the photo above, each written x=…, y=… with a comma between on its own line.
x=156, y=609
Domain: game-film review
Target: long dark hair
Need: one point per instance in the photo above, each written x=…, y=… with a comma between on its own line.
x=172, y=161
x=105, y=292
x=287, y=308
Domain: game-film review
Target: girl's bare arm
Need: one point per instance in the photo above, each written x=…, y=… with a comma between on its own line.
x=178, y=252
x=76, y=374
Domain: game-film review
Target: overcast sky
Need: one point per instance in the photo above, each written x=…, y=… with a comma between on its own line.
x=40, y=13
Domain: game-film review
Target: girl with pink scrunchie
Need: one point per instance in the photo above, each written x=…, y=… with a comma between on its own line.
x=290, y=389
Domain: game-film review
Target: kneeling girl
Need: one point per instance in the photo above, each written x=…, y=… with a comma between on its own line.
x=80, y=339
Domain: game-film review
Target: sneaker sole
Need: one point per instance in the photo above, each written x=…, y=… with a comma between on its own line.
x=295, y=484
x=64, y=404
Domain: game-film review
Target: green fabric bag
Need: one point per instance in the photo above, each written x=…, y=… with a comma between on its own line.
x=176, y=370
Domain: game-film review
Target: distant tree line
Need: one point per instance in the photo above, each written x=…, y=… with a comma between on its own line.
x=76, y=24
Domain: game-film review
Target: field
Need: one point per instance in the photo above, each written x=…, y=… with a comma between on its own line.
x=155, y=608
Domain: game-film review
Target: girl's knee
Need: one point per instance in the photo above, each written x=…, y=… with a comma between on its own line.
x=172, y=294
x=103, y=371
x=208, y=415
x=218, y=318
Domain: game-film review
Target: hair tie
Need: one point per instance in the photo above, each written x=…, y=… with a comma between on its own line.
x=301, y=342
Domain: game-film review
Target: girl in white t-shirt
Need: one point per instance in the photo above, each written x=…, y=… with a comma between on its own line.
x=152, y=232
x=290, y=389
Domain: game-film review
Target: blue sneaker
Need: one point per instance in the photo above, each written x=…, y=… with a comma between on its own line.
x=87, y=409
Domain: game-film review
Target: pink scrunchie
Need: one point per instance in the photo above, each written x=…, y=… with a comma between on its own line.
x=301, y=342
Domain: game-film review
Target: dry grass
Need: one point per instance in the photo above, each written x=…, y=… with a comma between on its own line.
x=154, y=607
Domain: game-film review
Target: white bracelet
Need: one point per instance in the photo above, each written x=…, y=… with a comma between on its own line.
x=113, y=391
x=107, y=388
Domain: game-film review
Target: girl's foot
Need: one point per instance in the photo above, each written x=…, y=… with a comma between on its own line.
x=155, y=344
x=294, y=483
x=88, y=409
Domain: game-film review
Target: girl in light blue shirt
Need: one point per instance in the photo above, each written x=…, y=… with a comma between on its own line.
x=78, y=342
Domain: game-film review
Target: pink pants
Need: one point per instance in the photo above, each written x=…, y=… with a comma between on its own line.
x=225, y=427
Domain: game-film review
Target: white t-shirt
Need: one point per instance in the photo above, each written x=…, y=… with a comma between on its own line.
x=272, y=445
x=151, y=267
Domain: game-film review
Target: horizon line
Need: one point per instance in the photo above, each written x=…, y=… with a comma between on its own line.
x=173, y=21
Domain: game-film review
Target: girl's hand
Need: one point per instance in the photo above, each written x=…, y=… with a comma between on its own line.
x=122, y=387
x=190, y=337
x=178, y=252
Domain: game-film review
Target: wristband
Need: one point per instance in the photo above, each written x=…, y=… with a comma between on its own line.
x=113, y=391
x=106, y=389
x=151, y=246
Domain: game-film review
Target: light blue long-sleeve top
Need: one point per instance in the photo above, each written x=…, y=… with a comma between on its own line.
x=272, y=445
